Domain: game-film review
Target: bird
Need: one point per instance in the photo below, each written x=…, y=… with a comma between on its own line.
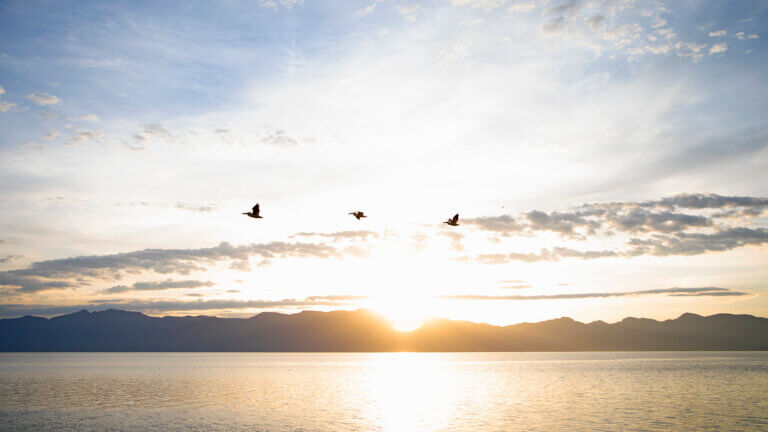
x=454, y=221
x=254, y=213
x=358, y=214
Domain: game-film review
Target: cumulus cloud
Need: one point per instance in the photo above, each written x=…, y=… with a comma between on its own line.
x=718, y=33
x=85, y=135
x=44, y=99
x=743, y=36
x=718, y=48
x=155, y=130
x=76, y=271
x=698, y=243
x=502, y=224
x=676, y=292
x=158, y=286
x=657, y=227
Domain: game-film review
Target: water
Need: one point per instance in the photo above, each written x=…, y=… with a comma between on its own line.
x=397, y=392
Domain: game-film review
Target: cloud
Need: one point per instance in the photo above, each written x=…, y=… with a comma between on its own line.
x=85, y=135
x=274, y=4
x=595, y=22
x=654, y=227
x=698, y=243
x=9, y=258
x=159, y=306
x=158, y=286
x=743, y=36
x=654, y=216
x=455, y=238
x=719, y=33
x=566, y=9
x=503, y=224
x=680, y=244
x=195, y=207
x=562, y=223
x=718, y=48
x=278, y=138
x=522, y=6
x=486, y=5
x=366, y=10
x=356, y=234
x=676, y=292
x=6, y=106
x=76, y=271
x=44, y=99
x=555, y=25
x=2, y=90
x=90, y=117
x=704, y=201
x=154, y=130
x=409, y=12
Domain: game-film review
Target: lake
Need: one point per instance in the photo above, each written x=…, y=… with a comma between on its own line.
x=384, y=392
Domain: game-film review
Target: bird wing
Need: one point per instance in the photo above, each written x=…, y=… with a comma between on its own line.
x=256, y=210
x=455, y=218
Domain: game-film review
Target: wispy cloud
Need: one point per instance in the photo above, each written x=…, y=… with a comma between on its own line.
x=44, y=99
x=159, y=286
x=690, y=292
x=69, y=272
x=160, y=306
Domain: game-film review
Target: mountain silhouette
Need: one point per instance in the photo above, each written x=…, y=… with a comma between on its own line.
x=364, y=331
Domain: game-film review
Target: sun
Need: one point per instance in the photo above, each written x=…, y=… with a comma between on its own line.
x=404, y=315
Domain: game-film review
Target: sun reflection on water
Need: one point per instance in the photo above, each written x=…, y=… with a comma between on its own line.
x=412, y=391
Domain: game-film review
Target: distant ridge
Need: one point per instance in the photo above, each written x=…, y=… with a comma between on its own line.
x=364, y=331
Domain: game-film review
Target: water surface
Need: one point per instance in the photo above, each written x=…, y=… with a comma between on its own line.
x=384, y=392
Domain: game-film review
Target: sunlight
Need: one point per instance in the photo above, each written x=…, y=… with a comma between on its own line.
x=413, y=392
x=404, y=315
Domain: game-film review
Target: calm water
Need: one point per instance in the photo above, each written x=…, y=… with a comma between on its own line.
x=385, y=392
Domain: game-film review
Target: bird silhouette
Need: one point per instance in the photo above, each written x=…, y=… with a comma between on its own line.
x=254, y=213
x=358, y=214
x=454, y=221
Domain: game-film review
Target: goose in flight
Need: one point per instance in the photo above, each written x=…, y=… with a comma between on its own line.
x=358, y=214
x=254, y=213
x=454, y=221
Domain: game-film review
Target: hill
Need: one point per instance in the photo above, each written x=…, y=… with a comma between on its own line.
x=361, y=331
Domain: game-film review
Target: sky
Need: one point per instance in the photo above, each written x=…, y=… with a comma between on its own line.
x=607, y=158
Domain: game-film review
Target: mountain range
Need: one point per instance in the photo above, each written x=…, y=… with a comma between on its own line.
x=364, y=331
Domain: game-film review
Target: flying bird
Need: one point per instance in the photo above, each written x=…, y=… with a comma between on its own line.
x=454, y=221
x=358, y=214
x=254, y=213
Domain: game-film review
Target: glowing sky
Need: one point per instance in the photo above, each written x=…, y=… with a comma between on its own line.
x=608, y=158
